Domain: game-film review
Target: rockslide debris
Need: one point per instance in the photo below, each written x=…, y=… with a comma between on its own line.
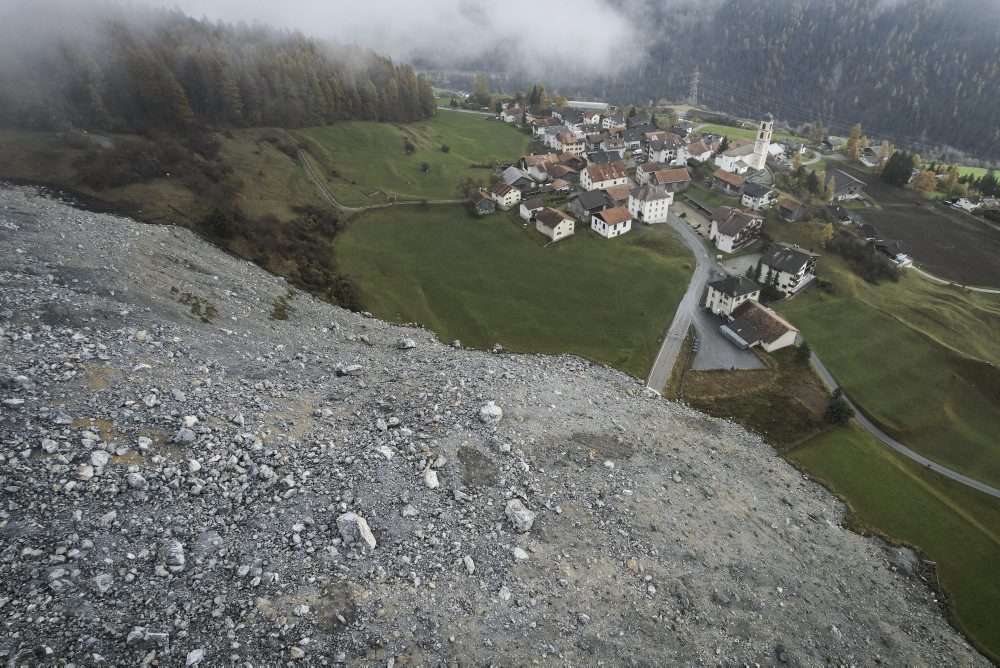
x=208, y=486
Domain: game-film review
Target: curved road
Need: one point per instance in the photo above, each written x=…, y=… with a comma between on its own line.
x=899, y=447
x=659, y=375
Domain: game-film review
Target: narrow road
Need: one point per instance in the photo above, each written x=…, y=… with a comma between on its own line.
x=466, y=111
x=942, y=281
x=659, y=375
x=328, y=196
x=899, y=447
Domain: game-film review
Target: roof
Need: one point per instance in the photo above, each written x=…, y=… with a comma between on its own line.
x=843, y=180
x=604, y=157
x=649, y=193
x=891, y=247
x=615, y=215
x=551, y=218
x=787, y=258
x=618, y=193
x=754, y=189
x=738, y=151
x=868, y=231
x=591, y=199
x=501, y=189
x=607, y=172
x=557, y=171
x=752, y=322
x=532, y=204
x=698, y=148
x=590, y=106
x=734, y=286
x=678, y=175
x=532, y=160
x=513, y=174
x=479, y=197
x=790, y=204
x=734, y=180
x=731, y=222
x=567, y=138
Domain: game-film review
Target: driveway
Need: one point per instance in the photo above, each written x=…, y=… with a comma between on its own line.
x=714, y=350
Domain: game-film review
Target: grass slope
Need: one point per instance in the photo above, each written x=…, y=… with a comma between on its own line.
x=741, y=133
x=956, y=527
x=918, y=357
x=492, y=280
x=370, y=156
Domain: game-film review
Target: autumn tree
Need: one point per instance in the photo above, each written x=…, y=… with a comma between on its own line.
x=853, y=148
x=925, y=181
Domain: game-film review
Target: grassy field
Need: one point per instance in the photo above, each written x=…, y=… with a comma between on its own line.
x=271, y=181
x=954, y=526
x=372, y=155
x=963, y=170
x=918, y=357
x=741, y=133
x=492, y=280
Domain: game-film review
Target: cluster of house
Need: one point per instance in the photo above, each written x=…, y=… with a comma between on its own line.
x=787, y=268
x=617, y=170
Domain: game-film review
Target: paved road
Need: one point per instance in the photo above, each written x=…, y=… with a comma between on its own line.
x=899, y=447
x=467, y=111
x=942, y=281
x=715, y=351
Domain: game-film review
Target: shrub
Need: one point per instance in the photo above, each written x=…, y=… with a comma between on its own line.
x=445, y=148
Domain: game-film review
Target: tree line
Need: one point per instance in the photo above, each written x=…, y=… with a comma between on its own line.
x=176, y=72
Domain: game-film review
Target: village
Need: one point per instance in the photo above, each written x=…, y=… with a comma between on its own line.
x=607, y=170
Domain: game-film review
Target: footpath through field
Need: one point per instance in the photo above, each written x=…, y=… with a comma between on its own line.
x=328, y=196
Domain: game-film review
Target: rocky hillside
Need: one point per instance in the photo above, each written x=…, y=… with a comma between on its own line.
x=188, y=479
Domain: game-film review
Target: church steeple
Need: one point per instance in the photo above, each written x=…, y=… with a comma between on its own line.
x=764, y=131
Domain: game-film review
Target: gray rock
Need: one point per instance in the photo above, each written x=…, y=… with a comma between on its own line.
x=136, y=481
x=490, y=413
x=103, y=583
x=173, y=556
x=184, y=436
x=406, y=344
x=521, y=517
x=194, y=657
x=354, y=529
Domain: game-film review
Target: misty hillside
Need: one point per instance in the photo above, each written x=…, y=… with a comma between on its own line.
x=922, y=71
x=128, y=70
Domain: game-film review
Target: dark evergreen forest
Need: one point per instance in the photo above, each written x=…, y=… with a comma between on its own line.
x=132, y=70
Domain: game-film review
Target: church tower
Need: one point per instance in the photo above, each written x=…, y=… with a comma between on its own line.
x=764, y=131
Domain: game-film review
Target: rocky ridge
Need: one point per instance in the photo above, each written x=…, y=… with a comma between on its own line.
x=186, y=480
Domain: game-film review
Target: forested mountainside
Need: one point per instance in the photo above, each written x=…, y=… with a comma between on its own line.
x=132, y=69
x=920, y=71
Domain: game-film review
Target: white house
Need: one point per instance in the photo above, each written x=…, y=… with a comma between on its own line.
x=569, y=143
x=505, y=195
x=726, y=295
x=554, y=224
x=649, y=203
x=512, y=114
x=787, y=268
x=732, y=229
x=611, y=222
x=757, y=197
x=845, y=186
x=697, y=151
x=754, y=325
x=613, y=122
x=968, y=203
x=531, y=207
x=599, y=177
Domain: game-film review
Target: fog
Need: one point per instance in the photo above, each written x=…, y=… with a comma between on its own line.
x=523, y=35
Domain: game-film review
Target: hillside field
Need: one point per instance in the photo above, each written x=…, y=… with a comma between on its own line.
x=494, y=280
x=372, y=155
x=955, y=526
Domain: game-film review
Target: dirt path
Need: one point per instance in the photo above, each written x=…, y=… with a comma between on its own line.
x=328, y=196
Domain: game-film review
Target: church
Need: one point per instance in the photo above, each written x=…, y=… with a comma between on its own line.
x=744, y=155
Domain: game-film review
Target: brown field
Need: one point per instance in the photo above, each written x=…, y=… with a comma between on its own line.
x=947, y=242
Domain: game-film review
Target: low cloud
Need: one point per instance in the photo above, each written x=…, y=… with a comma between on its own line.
x=521, y=35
